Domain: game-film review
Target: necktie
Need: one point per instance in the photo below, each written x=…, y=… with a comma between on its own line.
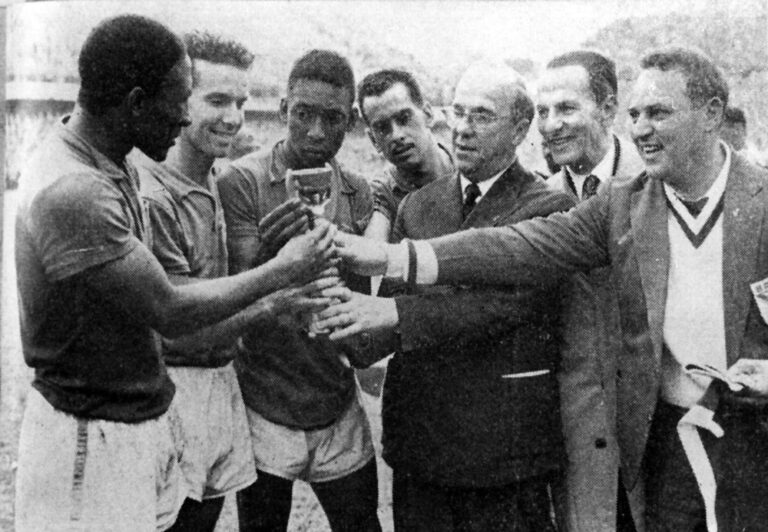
x=471, y=193
x=694, y=207
x=589, y=188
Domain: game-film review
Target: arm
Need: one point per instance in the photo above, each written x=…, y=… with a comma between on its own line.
x=211, y=346
x=137, y=284
x=528, y=252
x=378, y=228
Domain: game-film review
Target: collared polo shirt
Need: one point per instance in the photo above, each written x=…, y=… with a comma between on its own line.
x=188, y=232
x=390, y=189
x=284, y=375
x=79, y=210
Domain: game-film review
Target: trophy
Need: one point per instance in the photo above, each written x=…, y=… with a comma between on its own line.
x=313, y=187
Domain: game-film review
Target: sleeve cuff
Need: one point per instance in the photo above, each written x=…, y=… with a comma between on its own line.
x=409, y=256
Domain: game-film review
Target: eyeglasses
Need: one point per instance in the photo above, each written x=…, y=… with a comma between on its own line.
x=479, y=120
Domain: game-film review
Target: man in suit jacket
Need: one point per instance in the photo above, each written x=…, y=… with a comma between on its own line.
x=470, y=410
x=683, y=285
x=576, y=106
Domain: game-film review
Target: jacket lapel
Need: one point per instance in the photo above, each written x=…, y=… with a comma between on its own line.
x=742, y=222
x=648, y=216
x=498, y=201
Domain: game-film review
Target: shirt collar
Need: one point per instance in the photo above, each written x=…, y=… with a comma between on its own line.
x=715, y=192
x=87, y=152
x=484, y=186
x=604, y=169
x=406, y=186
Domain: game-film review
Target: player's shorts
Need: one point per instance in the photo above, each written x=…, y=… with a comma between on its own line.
x=218, y=456
x=314, y=455
x=89, y=475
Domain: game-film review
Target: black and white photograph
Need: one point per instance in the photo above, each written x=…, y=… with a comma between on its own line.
x=399, y=266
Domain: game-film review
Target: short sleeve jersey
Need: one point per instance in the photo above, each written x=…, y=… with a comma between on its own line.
x=285, y=376
x=79, y=210
x=188, y=232
x=390, y=189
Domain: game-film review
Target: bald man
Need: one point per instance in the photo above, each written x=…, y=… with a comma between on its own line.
x=470, y=409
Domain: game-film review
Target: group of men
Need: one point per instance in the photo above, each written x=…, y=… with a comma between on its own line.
x=540, y=384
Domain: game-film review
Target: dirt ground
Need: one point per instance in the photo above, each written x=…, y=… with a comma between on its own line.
x=306, y=516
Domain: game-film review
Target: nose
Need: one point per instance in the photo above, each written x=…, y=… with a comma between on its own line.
x=550, y=123
x=461, y=127
x=185, y=120
x=232, y=115
x=641, y=127
x=316, y=130
x=398, y=132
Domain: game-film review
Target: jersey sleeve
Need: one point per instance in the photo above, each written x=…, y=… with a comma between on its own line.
x=80, y=221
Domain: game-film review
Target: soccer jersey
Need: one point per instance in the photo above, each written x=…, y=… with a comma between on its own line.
x=80, y=210
x=287, y=377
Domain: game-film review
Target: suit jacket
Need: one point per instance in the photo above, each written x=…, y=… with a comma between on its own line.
x=591, y=339
x=449, y=416
x=625, y=226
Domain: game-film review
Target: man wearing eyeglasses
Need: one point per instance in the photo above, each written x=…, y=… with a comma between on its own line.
x=301, y=400
x=470, y=409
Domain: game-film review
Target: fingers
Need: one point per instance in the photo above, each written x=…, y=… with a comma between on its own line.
x=339, y=293
x=345, y=332
x=282, y=224
x=321, y=284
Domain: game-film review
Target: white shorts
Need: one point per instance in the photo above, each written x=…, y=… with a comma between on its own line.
x=314, y=455
x=218, y=456
x=92, y=475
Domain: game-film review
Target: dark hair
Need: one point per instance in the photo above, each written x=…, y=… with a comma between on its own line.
x=216, y=49
x=326, y=66
x=122, y=53
x=521, y=107
x=703, y=79
x=601, y=71
x=377, y=83
x=733, y=116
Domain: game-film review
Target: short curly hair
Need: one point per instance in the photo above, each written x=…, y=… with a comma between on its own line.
x=122, y=53
x=216, y=49
x=326, y=66
x=704, y=80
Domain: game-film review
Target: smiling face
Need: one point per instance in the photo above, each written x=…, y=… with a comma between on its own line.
x=215, y=107
x=573, y=125
x=668, y=130
x=318, y=115
x=485, y=146
x=160, y=118
x=399, y=128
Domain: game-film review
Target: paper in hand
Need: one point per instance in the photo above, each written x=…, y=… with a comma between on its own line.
x=760, y=293
x=714, y=373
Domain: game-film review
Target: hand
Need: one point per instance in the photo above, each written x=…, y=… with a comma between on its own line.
x=753, y=374
x=302, y=299
x=356, y=314
x=285, y=221
x=362, y=255
x=306, y=255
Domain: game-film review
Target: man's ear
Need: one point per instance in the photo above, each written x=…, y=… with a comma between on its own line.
x=284, y=110
x=430, y=116
x=520, y=130
x=608, y=109
x=373, y=139
x=354, y=114
x=714, y=110
x=136, y=101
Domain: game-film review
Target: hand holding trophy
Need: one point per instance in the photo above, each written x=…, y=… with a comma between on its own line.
x=313, y=186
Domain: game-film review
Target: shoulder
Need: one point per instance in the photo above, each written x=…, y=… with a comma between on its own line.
x=539, y=193
x=353, y=180
x=630, y=163
x=252, y=167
